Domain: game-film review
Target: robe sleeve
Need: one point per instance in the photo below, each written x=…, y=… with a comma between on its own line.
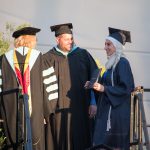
x=93, y=101
x=92, y=66
x=50, y=88
x=123, y=84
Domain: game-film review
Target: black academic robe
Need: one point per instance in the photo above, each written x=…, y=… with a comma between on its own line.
x=8, y=103
x=69, y=119
x=117, y=96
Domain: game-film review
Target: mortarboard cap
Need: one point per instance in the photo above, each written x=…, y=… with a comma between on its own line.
x=62, y=29
x=25, y=31
x=121, y=35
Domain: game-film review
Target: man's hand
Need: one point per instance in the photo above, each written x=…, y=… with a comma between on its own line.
x=86, y=84
x=92, y=111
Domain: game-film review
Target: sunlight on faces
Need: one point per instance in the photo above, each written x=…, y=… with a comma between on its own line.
x=65, y=42
x=26, y=41
x=109, y=47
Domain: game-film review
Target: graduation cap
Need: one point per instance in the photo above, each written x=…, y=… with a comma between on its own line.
x=62, y=29
x=121, y=35
x=25, y=31
x=100, y=147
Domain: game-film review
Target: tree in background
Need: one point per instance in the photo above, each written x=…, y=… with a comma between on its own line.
x=2, y=139
x=6, y=37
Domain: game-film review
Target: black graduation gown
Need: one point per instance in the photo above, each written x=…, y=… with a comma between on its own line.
x=69, y=119
x=8, y=105
x=117, y=96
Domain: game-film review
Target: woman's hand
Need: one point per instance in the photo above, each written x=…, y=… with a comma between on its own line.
x=98, y=87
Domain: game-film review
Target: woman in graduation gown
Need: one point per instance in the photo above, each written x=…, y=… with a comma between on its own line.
x=71, y=111
x=113, y=115
x=22, y=68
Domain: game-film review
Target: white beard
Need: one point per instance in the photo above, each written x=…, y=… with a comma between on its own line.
x=113, y=60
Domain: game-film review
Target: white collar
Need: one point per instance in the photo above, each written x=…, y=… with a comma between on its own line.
x=22, y=50
x=62, y=52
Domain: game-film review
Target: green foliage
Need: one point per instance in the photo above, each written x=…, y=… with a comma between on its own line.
x=2, y=139
x=22, y=26
x=6, y=37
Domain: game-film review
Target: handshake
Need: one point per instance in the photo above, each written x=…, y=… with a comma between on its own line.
x=93, y=83
x=94, y=79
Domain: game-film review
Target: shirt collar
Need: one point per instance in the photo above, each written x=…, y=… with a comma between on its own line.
x=65, y=53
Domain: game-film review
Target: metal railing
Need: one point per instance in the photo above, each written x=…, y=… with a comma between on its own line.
x=139, y=137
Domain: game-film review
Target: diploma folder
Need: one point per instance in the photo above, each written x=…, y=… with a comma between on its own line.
x=94, y=77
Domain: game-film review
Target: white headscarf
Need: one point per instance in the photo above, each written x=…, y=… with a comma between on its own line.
x=115, y=57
